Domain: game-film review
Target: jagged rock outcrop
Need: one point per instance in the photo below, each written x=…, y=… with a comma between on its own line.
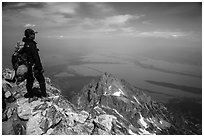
x=38, y=116
x=134, y=112
x=108, y=107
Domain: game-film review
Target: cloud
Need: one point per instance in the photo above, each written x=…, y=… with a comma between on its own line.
x=163, y=34
x=40, y=13
x=95, y=10
x=109, y=24
x=103, y=7
x=32, y=13
x=61, y=8
x=61, y=37
x=30, y=25
x=69, y=18
x=146, y=22
x=185, y=10
x=56, y=36
x=106, y=22
x=22, y=5
x=118, y=19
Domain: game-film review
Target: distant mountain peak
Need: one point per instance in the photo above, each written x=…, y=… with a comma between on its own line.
x=134, y=111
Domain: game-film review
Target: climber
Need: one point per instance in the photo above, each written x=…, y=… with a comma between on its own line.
x=34, y=66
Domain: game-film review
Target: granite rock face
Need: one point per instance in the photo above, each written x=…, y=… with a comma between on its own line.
x=107, y=107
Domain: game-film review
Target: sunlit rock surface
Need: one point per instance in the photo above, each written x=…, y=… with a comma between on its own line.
x=107, y=107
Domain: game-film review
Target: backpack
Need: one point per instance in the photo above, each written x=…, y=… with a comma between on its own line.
x=19, y=57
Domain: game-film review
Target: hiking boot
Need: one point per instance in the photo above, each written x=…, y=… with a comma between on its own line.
x=44, y=95
x=43, y=90
x=28, y=95
x=32, y=99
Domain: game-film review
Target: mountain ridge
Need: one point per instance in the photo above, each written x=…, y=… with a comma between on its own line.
x=109, y=106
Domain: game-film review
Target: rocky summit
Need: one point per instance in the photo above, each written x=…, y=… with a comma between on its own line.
x=106, y=107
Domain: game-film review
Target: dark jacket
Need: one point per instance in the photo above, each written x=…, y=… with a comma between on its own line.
x=31, y=50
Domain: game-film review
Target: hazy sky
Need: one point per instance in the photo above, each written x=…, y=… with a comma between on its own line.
x=133, y=23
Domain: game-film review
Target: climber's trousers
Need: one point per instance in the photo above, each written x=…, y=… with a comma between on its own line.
x=30, y=79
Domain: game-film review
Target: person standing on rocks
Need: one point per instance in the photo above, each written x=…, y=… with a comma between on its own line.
x=35, y=68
